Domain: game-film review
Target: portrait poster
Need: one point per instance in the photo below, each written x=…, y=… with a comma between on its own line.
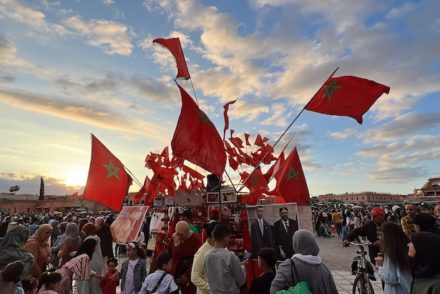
x=128, y=224
x=305, y=217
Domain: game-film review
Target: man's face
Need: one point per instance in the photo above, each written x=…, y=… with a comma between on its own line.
x=182, y=234
x=260, y=212
x=379, y=218
x=410, y=210
x=284, y=214
x=426, y=210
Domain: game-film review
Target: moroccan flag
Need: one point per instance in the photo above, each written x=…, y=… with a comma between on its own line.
x=226, y=117
x=108, y=182
x=173, y=45
x=274, y=169
x=143, y=190
x=347, y=96
x=256, y=182
x=196, y=139
x=291, y=183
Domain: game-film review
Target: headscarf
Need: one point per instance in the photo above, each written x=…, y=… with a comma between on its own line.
x=427, y=253
x=99, y=221
x=37, y=237
x=63, y=226
x=89, y=229
x=12, y=249
x=72, y=232
x=304, y=243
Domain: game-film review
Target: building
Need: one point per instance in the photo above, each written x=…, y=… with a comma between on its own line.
x=363, y=197
x=429, y=192
x=17, y=203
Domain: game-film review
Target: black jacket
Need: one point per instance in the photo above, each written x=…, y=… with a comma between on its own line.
x=283, y=238
x=368, y=230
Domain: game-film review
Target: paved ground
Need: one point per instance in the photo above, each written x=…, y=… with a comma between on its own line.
x=338, y=259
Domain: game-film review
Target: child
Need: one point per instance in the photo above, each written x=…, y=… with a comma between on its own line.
x=110, y=281
x=49, y=282
x=161, y=281
x=133, y=270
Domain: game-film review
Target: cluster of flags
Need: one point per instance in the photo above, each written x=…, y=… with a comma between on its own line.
x=197, y=140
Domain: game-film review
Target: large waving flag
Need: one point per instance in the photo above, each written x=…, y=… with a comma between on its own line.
x=173, y=45
x=107, y=182
x=291, y=182
x=196, y=139
x=347, y=96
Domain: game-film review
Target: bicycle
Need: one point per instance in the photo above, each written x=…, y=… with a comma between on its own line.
x=363, y=270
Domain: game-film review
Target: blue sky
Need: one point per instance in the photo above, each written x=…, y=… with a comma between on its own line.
x=71, y=68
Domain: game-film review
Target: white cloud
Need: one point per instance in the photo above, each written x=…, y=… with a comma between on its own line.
x=344, y=134
x=246, y=110
x=113, y=37
x=108, y=2
x=277, y=117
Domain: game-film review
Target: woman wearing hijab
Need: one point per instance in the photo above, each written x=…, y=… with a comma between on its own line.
x=426, y=272
x=71, y=244
x=306, y=266
x=79, y=265
x=12, y=249
x=38, y=246
x=92, y=285
x=61, y=230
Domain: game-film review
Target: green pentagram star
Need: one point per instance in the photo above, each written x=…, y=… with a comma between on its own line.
x=330, y=89
x=204, y=118
x=112, y=171
x=292, y=174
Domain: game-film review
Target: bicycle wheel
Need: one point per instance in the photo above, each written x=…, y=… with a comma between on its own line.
x=359, y=285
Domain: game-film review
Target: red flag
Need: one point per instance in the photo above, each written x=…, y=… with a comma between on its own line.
x=232, y=162
x=108, y=181
x=225, y=115
x=291, y=183
x=347, y=96
x=273, y=170
x=236, y=141
x=196, y=139
x=173, y=45
x=246, y=137
x=256, y=183
x=143, y=190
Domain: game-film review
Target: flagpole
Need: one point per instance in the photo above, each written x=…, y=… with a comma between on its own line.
x=133, y=176
x=272, y=176
x=282, y=135
x=230, y=180
x=194, y=90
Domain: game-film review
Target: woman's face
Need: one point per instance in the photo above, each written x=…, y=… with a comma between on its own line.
x=411, y=250
x=46, y=235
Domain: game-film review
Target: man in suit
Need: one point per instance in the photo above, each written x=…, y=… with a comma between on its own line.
x=283, y=231
x=261, y=233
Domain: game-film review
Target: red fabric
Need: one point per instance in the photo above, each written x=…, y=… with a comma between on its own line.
x=232, y=163
x=163, y=179
x=236, y=141
x=143, y=190
x=256, y=183
x=225, y=115
x=109, y=283
x=246, y=138
x=193, y=173
x=173, y=45
x=273, y=170
x=107, y=182
x=291, y=183
x=196, y=139
x=347, y=96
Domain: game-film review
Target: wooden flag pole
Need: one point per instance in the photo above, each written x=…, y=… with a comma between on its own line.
x=282, y=135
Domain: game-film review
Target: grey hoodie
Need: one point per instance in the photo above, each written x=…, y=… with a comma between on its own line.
x=308, y=267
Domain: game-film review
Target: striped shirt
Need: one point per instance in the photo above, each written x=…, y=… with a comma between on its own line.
x=78, y=266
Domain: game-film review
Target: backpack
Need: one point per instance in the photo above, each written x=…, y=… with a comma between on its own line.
x=301, y=287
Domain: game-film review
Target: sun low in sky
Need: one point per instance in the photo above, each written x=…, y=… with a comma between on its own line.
x=72, y=68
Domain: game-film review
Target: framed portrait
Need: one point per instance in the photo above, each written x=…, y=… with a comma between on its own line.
x=213, y=197
x=228, y=195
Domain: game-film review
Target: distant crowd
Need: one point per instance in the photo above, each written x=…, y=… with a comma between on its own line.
x=59, y=252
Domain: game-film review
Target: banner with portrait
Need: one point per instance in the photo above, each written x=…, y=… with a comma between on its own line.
x=128, y=224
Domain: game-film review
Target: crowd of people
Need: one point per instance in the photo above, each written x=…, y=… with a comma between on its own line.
x=55, y=253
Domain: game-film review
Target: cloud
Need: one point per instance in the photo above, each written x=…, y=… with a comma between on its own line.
x=30, y=184
x=277, y=117
x=406, y=124
x=344, y=134
x=398, y=175
x=113, y=37
x=247, y=110
x=33, y=18
x=108, y=2
x=88, y=113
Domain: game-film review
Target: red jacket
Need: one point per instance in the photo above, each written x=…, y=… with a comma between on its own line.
x=108, y=283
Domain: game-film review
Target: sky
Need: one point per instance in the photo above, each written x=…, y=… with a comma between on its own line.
x=72, y=68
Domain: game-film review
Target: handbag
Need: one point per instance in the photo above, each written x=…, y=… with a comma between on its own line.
x=301, y=287
x=157, y=284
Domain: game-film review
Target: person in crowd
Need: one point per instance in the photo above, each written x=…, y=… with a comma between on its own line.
x=306, y=266
x=4, y=226
x=222, y=267
x=35, y=223
x=182, y=246
x=92, y=285
x=10, y=276
x=71, y=244
x=283, y=230
x=372, y=230
x=81, y=223
x=437, y=211
x=187, y=216
x=58, y=243
x=267, y=258
x=407, y=222
x=38, y=246
x=427, y=208
x=395, y=266
x=133, y=270
x=30, y=286
x=78, y=266
x=49, y=283
x=198, y=275
x=161, y=281
x=424, y=248
x=261, y=232
x=110, y=281
x=426, y=223
x=12, y=249
x=337, y=220
x=106, y=239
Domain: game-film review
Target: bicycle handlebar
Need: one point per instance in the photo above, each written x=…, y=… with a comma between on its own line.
x=361, y=244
